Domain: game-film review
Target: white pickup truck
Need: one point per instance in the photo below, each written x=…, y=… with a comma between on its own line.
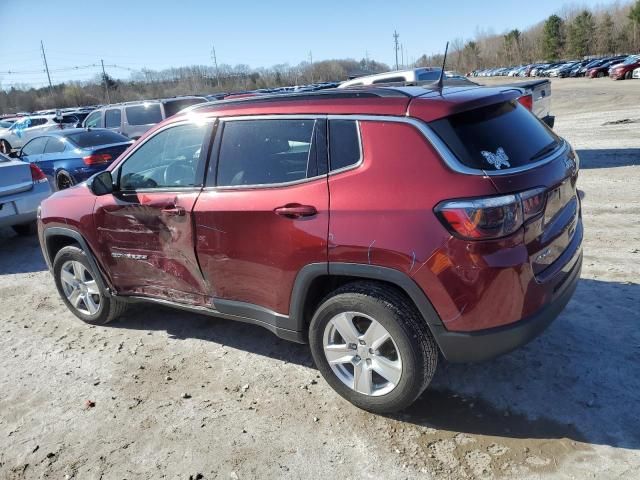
x=536, y=94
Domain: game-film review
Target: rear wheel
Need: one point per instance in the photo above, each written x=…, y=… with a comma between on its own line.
x=628, y=75
x=64, y=180
x=600, y=74
x=5, y=147
x=25, y=229
x=373, y=347
x=79, y=289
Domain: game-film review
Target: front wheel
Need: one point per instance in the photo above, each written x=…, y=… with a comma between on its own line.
x=80, y=291
x=373, y=347
x=5, y=147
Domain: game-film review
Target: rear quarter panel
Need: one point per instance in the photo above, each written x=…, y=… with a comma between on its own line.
x=382, y=214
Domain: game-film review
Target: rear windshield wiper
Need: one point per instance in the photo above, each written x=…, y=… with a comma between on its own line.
x=545, y=150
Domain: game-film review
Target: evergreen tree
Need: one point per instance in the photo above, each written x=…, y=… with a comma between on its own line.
x=581, y=33
x=552, y=38
x=605, y=37
x=634, y=16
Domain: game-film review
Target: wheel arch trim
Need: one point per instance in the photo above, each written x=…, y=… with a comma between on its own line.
x=311, y=272
x=51, y=232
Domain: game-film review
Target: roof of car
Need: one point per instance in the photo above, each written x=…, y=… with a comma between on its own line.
x=154, y=100
x=427, y=102
x=65, y=132
x=352, y=93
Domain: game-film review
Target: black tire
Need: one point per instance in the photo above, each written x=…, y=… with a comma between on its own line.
x=26, y=229
x=5, y=147
x=64, y=180
x=600, y=74
x=408, y=329
x=628, y=75
x=109, y=307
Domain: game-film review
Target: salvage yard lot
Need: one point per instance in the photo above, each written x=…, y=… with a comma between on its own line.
x=167, y=394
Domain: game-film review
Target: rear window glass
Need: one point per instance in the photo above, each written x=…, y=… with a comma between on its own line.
x=504, y=135
x=145, y=114
x=429, y=75
x=94, y=138
x=172, y=107
x=344, y=144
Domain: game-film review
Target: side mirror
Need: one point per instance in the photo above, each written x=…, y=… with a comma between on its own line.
x=101, y=183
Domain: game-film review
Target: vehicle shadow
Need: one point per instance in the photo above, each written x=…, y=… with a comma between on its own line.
x=609, y=157
x=20, y=254
x=182, y=325
x=579, y=380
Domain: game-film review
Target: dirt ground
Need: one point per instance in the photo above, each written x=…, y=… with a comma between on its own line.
x=184, y=396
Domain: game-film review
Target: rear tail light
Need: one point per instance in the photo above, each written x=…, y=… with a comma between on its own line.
x=492, y=217
x=97, y=159
x=37, y=175
x=527, y=101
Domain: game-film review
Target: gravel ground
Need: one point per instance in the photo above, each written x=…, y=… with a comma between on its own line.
x=165, y=394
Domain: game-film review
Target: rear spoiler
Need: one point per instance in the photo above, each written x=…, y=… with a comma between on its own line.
x=435, y=105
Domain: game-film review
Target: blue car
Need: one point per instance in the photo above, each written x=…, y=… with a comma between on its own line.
x=71, y=156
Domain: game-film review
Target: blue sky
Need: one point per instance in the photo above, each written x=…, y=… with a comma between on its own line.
x=159, y=34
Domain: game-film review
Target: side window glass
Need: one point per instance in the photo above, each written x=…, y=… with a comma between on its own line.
x=93, y=120
x=35, y=122
x=262, y=152
x=35, y=146
x=55, y=145
x=344, y=144
x=144, y=114
x=112, y=118
x=390, y=80
x=168, y=159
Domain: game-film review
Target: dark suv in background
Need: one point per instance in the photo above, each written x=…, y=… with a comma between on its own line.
x=383, y=226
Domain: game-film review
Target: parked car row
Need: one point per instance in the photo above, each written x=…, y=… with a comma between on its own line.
x=618, y=67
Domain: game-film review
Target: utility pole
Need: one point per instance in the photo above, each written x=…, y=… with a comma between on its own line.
x=395, y=39
x=46, y=67
x=106, y=85
x=215, y=63
x=402, y=53
x=311, y=63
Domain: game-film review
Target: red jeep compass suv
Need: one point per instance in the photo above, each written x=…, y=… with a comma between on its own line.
x=381, y=225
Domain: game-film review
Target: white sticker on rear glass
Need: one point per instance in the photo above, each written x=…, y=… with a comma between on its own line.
x=497, y=159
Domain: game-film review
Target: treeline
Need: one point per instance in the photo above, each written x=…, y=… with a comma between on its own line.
x=572, y=33
x=193, y=80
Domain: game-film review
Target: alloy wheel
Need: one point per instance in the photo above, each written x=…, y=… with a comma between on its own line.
x=362, y=353
x=80, y=287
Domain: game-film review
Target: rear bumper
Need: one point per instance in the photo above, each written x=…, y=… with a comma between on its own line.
x=483, y=345
x=22, y=207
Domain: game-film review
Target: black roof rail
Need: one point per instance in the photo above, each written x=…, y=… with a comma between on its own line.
x=329, y=93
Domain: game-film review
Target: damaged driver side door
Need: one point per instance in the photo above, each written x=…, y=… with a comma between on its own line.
x=145, y=227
